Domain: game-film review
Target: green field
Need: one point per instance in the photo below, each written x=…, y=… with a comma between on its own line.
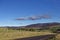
x=6, y=34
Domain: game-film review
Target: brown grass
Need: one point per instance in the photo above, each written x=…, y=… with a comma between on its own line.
x=13, y=34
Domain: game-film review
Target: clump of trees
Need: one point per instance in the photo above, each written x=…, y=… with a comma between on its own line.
x=55, y=29
x=30, y=29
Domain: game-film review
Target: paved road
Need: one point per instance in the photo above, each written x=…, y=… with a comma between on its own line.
x=44, y=37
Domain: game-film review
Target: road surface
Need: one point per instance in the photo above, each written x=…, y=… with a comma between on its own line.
x=43, y=37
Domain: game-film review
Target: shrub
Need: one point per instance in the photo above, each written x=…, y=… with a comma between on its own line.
x=54, y=29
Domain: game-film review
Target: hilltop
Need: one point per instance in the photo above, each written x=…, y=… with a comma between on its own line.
x=43, y=25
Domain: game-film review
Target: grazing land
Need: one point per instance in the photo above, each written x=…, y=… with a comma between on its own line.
x=6, y=34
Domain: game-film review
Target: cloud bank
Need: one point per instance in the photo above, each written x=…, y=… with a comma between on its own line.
x=34, y=17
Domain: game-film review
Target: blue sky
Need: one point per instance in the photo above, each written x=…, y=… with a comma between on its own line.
x=12, y=9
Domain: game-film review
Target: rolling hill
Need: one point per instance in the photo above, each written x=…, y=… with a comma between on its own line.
x=43, y=25
x=37, y=26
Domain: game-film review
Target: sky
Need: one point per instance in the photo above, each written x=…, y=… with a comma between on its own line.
x=12, y=9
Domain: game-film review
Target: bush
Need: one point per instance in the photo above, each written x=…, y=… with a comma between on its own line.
x=54, y=29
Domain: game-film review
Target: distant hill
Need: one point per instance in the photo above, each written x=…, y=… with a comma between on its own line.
x=38, y=26
x=43, y=25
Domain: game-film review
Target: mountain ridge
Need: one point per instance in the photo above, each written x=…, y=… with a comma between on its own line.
x=43, y=25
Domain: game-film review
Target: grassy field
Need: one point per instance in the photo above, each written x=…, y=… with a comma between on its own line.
x=13, y=34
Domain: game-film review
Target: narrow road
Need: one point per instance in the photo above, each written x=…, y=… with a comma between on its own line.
x=43, y=37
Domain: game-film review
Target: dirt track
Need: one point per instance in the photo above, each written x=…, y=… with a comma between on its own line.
x=44, y=37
